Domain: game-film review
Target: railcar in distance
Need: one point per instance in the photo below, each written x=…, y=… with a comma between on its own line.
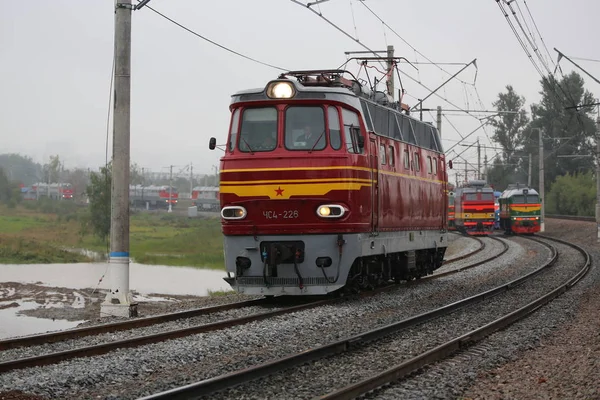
x=206, y=198
x=55, y=191
x=520, y=210
x=326, y=185
x=474, y=208
x=153, y=196
x=451, y=212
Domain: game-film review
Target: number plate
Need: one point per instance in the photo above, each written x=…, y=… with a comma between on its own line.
x=285, y=214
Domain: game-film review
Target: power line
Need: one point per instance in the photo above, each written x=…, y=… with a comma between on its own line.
x=367, y=48
x=583, y=59
x=215, y=43
x=537, y=30
x=404, y=40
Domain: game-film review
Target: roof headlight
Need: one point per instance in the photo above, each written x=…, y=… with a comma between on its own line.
x=281, y=90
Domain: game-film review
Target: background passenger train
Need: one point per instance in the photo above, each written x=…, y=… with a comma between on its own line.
x=325, y=185
x=206, y=198
x=520, y=210
x=152, y=196
x=474, y=208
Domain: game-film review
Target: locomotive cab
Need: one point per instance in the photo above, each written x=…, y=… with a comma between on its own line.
x=315, y=189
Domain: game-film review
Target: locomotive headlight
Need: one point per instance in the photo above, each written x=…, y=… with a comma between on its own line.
x=280, y=90
x=331, y=211
x=233, y=212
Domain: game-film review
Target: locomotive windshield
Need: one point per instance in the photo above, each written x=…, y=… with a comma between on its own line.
x=304, y=128
x=530, y=198
x=259, y=129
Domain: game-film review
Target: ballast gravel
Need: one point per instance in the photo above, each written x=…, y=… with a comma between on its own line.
x=449, y=378
x=130, y=373
x=339, y=371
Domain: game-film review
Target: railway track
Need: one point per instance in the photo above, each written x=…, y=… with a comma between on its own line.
x=571, y=217
x=47, y=357
x=225, y=382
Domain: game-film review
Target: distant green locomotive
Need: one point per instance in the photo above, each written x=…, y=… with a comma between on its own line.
x=520, y=210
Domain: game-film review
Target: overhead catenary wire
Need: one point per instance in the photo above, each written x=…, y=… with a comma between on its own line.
x=215, y=43
x=538, y=31
x=405, y=41
x=370, y=50
x=552, y=83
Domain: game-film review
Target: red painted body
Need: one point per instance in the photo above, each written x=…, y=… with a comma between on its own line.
x=281, y=189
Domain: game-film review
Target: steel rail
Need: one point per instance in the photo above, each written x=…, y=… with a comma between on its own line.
x=445, y=350
x=122, y=325
x=53, y=358
x=454, y=259
x=103, y=348
x=78, y=333
x=476, y=264
x=225, y=381
x=571, y=217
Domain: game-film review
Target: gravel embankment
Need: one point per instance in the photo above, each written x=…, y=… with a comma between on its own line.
x=161, y=366
x=559, y=352
x=448, y=378
x=460, y=245
x=326, y=375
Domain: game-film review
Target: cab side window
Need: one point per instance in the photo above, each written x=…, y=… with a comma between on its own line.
x=351, y=131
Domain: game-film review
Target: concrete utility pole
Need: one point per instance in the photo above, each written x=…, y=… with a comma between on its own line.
x=529, y=173
x=390, y=68
x=191, y=179
x=216, y=175
x=439, y=120
x=478, y=160
x=118, y=301
x=170, y=186
x=542, y=198
x=485, y=167
x=598, y=173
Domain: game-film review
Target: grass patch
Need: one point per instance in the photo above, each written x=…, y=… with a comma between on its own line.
x=163, y=239
x=218, y=293
x=17, y=250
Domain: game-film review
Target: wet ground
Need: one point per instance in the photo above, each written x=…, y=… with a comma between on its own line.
x=37, y=298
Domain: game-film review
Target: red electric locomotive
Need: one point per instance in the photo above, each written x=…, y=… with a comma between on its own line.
x=326, y=184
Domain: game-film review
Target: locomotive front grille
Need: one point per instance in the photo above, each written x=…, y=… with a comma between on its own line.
x=277, y=281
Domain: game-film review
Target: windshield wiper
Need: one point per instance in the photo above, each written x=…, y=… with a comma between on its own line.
x=247, y=145
x=315, y=145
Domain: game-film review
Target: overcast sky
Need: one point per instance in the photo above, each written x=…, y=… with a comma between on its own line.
x=56, y=59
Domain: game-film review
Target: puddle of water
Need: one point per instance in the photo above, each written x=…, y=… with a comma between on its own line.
x=145, y=279
x=19, y=325
x=142, y=278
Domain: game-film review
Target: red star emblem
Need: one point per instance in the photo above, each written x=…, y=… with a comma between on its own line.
x=279, y=191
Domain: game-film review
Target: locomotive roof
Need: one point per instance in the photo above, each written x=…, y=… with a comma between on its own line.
x=351, y=92
x=517, y=191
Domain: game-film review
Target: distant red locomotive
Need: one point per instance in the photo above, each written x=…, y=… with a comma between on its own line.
x=325, y=184
x=474, y=208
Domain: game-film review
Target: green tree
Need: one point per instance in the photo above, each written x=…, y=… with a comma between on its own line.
x=52, y=170
x=99, y=195
x=135, y=175
x=572, y=195
x=21, y=169
x=508, y=134
x=566, y=130
x=510, y=123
